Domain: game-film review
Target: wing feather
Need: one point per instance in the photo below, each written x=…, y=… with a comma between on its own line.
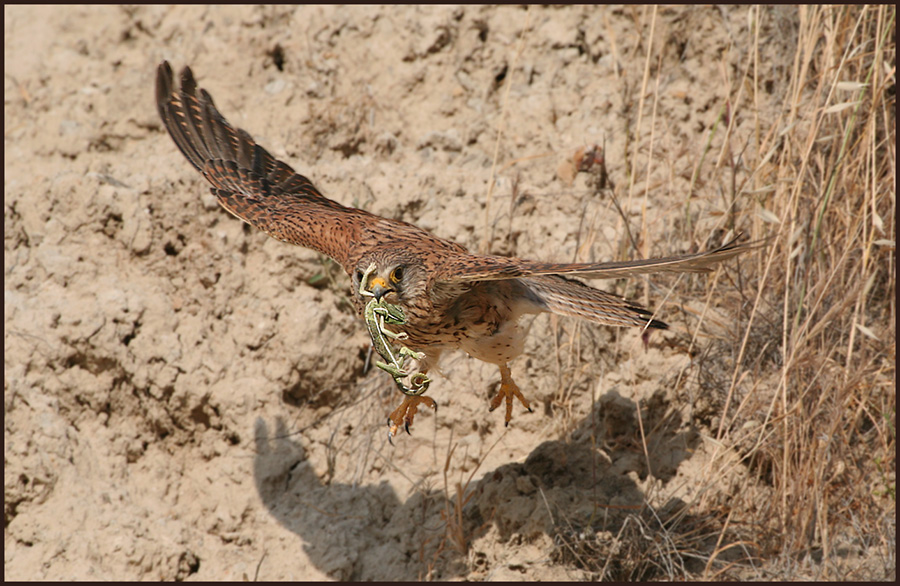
x=473, y=267
x=251, y=183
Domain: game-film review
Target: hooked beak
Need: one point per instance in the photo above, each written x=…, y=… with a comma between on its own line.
x=379, y=287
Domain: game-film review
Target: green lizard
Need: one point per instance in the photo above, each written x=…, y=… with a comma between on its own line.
x=377, y=314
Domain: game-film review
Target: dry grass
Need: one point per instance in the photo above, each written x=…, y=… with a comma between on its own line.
x=809, y=404
x=649, y=545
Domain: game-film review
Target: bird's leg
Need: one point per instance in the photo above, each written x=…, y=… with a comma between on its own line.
x=419, y=381
x=407, y=410
x=419, y=384
x=508, y=389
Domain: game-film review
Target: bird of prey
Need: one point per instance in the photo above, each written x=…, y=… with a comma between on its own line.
x=449, y=298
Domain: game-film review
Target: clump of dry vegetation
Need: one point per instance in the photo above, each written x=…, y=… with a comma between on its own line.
x=808, y=393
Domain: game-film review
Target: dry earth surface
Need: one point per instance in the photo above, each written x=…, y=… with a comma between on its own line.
x=186, y=398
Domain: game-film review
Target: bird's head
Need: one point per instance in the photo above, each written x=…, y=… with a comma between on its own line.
x=396, y=278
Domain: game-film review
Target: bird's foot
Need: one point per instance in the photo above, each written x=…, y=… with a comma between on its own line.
x=508, y=390
x=406, y=411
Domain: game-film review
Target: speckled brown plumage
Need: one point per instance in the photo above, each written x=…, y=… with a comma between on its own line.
x=451, y=298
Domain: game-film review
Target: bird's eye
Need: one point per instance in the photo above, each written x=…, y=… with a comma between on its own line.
x=359, y=275
x=397, y=275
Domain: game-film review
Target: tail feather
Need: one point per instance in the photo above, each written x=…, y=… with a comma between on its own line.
x=573, y=298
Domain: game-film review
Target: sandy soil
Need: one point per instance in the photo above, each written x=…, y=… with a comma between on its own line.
x=187, y=398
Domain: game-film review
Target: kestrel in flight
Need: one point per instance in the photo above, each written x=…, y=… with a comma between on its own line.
x=450, y=298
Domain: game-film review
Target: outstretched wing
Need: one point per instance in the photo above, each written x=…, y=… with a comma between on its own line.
x=473, y=267
x=250, y=183
x=570, y=297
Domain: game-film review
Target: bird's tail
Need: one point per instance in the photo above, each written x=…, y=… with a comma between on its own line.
x=573, y=298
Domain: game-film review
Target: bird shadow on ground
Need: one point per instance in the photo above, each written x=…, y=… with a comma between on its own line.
x=579, y=492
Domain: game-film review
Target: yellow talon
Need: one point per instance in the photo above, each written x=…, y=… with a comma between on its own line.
x=508, y=390
x=405, y=413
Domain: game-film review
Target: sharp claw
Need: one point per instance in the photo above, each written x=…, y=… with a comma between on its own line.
x=390, y=431
x=407, y=411
x=506, y=393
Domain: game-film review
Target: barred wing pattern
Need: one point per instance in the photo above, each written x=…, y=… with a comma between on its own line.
x=248, y=181
x=473, y=267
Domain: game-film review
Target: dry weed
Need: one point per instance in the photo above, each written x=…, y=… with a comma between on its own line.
x=810, y=401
